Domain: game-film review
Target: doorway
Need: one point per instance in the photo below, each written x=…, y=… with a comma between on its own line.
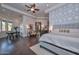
x=38, y=27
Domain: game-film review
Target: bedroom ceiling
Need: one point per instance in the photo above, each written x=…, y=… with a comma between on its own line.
x=42, y=6
x=9, y=13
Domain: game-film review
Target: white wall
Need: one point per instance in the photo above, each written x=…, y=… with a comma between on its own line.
x=26, y=20
x=29, y=20
x=43, y=20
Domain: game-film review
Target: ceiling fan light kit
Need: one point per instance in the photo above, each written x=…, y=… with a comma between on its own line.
x=32, y=8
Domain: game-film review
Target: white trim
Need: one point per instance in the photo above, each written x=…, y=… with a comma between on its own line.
x=16, y=10
x=42, y=17
x=54, y=7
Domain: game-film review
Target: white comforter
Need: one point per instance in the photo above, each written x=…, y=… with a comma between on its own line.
x=63, y=41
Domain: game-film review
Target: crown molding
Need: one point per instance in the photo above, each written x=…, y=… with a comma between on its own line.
x=16, y=10
x=54, y=7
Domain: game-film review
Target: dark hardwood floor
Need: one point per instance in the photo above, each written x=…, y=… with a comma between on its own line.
x=18, y=47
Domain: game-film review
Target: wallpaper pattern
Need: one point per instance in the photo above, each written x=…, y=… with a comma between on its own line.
x=66, y=16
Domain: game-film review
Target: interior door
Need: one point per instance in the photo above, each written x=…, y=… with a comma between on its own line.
x=38, y=26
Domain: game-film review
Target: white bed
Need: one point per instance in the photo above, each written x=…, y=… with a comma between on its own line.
x=70, y=43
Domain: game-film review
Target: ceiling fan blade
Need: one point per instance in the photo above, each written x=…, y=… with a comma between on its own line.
x=32, y=8
x=37, y=9
x=33, y=11
x=33, y=5
x=27, y=6
x=28, y=10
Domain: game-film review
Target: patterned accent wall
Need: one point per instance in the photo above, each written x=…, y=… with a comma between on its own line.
x=66, y=16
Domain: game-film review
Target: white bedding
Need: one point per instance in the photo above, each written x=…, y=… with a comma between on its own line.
x=62, y=41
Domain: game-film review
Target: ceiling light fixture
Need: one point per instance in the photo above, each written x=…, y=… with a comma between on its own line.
x=32, y=9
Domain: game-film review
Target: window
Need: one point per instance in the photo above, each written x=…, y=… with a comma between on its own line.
x=3, y=26
x=9, y=26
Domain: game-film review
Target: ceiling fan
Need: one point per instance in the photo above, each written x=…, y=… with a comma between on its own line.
x=32, y=8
